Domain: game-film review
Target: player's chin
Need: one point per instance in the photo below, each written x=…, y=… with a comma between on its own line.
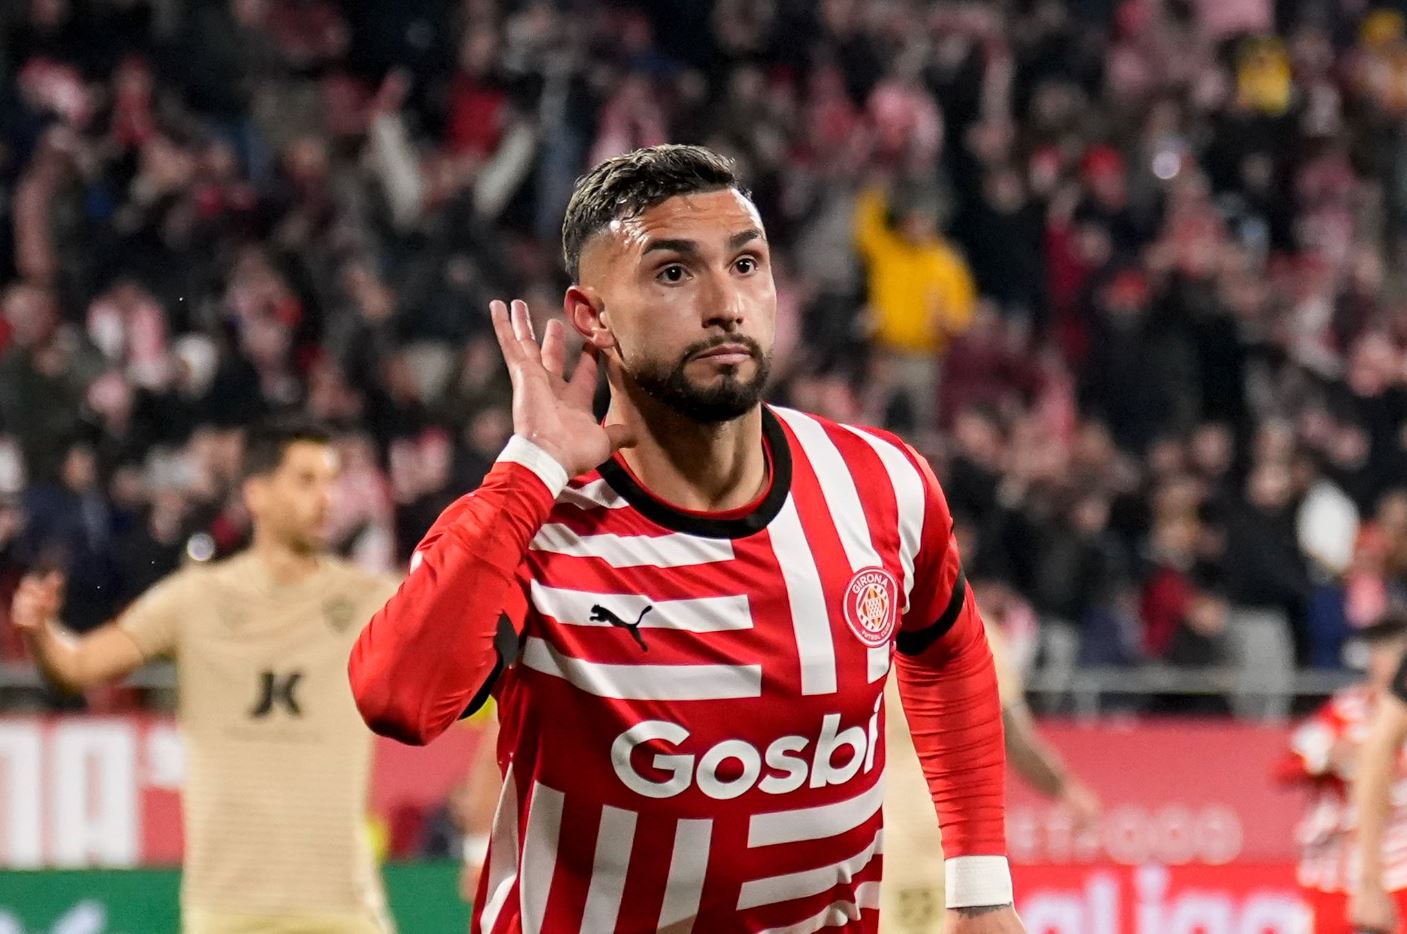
x=313, y=542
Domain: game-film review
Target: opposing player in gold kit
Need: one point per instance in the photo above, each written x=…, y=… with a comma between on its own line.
x=278, y=761
x=911, y=895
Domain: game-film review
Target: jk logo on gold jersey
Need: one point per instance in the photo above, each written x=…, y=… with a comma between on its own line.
x=277, y=690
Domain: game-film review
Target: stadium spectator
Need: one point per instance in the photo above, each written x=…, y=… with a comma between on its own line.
x=921, y=292
x=1129, y=231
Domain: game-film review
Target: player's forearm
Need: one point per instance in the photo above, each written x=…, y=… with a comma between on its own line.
x=430, y=649
x=954, y=712
x=56, y=655
x=1031, y=756
x=1373, y=786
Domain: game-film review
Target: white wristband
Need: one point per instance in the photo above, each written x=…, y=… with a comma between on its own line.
x=977, y=881
x=520, y=450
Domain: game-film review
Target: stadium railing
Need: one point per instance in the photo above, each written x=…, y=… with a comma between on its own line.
x=1258, y=681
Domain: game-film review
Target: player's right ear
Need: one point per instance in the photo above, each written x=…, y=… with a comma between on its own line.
x=255, y=490
x=587, y=312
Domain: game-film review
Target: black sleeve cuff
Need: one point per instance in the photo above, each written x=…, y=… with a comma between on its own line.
x=918, y=641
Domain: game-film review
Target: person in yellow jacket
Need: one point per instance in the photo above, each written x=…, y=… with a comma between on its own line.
x=921, y=292
x=911, y=893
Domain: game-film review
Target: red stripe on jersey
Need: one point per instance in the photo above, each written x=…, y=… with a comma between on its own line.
x=597, y=576
x=823, y=537
x=643, y=895
x=846, y=908
x=591, y=520
x=880, y=501
x=939, y=565
x=575, y=848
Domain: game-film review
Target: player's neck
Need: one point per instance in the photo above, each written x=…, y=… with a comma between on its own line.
x=284, y=565
x=708, y=468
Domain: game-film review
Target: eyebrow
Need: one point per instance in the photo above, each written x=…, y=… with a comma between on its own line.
x=673, y=246
x=691, y=247
x=745, y=236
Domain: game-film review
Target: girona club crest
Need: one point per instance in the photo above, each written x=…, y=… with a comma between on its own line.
x=872, y=606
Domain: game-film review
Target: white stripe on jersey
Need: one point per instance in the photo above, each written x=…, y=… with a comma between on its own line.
x=910, y=499
x=837, y=487
x=877, y=662
x=847, y=512
x=827, y=820
x=672, y=550
x=539, y=855
x=700, y=614
x=809, y=618
x=594, y=495
x=794, y=885
x=644, y=682
x=502, y=868
x=838, y=914
x=686, y=876
x=613, y=845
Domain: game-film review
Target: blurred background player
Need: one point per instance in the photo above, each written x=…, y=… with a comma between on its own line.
x=911, y=895
x=1323, y=754
x=277, y=760
x=1378, y=897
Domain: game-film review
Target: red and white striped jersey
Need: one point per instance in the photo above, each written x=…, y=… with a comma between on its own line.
x=691, y=705
x=691, y=734
x=1326, y=834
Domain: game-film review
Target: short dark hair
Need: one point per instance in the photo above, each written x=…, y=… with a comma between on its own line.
x=628, y=185
x=267, y=441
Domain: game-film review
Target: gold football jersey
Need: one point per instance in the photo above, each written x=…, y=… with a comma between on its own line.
x=278, y=761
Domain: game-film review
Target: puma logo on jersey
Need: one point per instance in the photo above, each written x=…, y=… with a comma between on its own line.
x=600, y=614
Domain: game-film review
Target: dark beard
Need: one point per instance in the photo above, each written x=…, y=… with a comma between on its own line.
x=726, y=400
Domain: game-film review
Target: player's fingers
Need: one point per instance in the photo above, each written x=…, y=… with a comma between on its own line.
x=581, y=388
x=523, y=330
x=503, y=331
x=522, y=321
x=554, y=347
x=621, y=436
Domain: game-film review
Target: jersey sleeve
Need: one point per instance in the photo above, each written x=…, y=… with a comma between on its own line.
x=434, y=650
x=939, y=592
x=1310, y=754
x=154, y=619
x=948, y=683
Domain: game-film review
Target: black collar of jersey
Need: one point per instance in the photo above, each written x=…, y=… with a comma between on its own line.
x=677, y=520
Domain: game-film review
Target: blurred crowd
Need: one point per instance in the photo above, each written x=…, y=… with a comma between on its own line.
x=1128, y=271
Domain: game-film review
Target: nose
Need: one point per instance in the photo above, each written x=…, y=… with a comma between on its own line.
x=723, y=305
